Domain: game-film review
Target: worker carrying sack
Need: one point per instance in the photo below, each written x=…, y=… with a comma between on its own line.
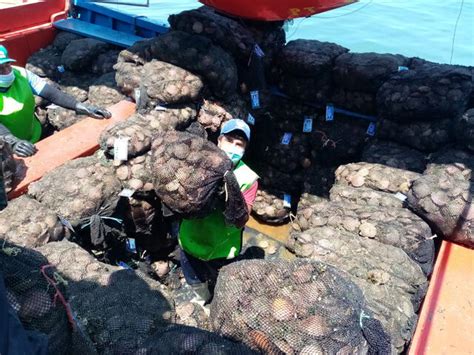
x=192, y=175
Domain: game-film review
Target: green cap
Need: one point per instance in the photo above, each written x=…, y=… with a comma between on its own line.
x=4, y=56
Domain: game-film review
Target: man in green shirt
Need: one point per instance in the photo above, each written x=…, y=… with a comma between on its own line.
x=18, y=126
x=209, y=243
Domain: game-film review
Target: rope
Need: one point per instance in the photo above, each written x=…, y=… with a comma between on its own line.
x=455, y=31
x=58, y=279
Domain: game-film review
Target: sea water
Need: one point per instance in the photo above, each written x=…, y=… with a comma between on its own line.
x=437, y=30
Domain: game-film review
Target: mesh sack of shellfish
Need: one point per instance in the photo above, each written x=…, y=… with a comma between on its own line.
x=192, y=315
x=104, y=91
x=357, y=101
x=305, y=68
x=26, y=222
x=431, y=92
x=7, y=166
x=274, y=178
x=302, y=307
x=464, y=129
x=392, y=283
x=119, y=308
x=182, y=339
x=213, y=112
x=37, y=297
x=376, y=176
x=424, y=136
x=168, y=84
x=271, y=38
x=193, y=175
x=290, y=116
x=105, y=62
x=451, y=161
x=366, y=71
x=319, y=180
x=128, y=77
x=271, y=206
x=141, y=128
x=61, y=118
x=63, y=38
x=364, y=196
x=136, y=174
x=338, y=142
x=230, y=34
x=198, y=55
x=83, y=192
x=289, y=152
x=446, y=202
x=81, y=53
x=393, y=226
x=394, y=155
x=45, y=62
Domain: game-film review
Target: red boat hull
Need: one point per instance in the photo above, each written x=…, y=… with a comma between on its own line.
x=274, y=10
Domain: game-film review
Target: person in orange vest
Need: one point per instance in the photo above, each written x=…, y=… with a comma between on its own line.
x=18, y=125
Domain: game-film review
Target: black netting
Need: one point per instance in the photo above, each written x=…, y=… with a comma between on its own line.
x=192, y=175
x=45, y=62
x=427, y=93
x=81, y=53
x=8, y=166
x=119, y=308
x=105, y=62
x=394, y=155
x=179, y=339
x=392, y=283
x=37, y=294
x=300, y=307
x=464, y=129
x=104, y=91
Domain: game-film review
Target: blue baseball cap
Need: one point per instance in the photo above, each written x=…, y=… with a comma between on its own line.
x=236, y=125
x=4, y=56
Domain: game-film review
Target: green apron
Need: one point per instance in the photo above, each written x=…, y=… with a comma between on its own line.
x=210, y=237
x=17, y=106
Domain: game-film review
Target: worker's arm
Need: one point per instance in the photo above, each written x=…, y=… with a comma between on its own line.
x=249, y=196
x=20, y=147
x=57, y=97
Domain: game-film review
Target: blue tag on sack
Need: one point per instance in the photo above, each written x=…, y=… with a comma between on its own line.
x=255, y=98
x=308, y=124
x=287, y=200
x=402, y=68
x=124, y=265
x=286, y=139
x=251, y=119
x=131, y=246
x=371, y=129
x=258, y=51
x=329, y=112
x=61, y=68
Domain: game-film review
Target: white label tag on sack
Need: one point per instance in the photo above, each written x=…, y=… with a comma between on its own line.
x=251, y=119
x=371, y=129
x=400, y=196
x=131, y=245
x=160, y=108
x=287, y=200
x=121, y=149
x=136, y=93
x=402, y=68
x=286, y=139
x=128, y=193
x=258, y=51
x=255, y=98
x=329, y=112
x=308, y=124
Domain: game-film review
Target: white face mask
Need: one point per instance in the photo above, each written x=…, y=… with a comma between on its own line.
x=7, y=80
x=233, y=152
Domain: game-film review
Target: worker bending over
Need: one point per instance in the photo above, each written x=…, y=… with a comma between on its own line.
x=209, y=243
x=18, y=124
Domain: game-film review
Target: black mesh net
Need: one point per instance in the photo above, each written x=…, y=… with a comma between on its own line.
x=304, y=307
x=7, y=166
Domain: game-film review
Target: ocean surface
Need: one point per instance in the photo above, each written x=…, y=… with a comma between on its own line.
x=437, y=30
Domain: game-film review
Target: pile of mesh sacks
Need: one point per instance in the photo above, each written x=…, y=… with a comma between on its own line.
x=368, y=197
